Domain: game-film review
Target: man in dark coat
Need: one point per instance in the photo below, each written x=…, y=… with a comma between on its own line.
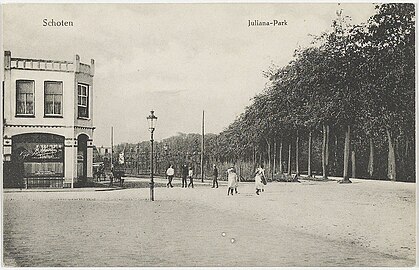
x=184, y=175
x=215, y=175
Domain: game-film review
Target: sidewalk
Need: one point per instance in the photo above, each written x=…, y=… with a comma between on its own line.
x=116, y=185
x=86, y=189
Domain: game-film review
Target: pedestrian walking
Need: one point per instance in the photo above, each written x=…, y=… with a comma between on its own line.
x=170, y=173
x=190, y=175
x=215, y=175
x=259, y=179
x=232, y=180
x=184, y=175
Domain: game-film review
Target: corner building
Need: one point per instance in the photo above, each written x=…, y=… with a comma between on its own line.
x=47, y=122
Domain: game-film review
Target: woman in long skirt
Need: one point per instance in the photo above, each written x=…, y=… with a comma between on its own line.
x=232, y=180
x=260, y=172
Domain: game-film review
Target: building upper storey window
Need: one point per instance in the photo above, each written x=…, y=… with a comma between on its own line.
x=83, y=101
x=53, y=98
x=25, y=105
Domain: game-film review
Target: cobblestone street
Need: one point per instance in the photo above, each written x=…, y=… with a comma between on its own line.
x=367, y=223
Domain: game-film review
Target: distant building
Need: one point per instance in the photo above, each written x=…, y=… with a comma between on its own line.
x=102, y=154
x=104, y=151
x=47, y=121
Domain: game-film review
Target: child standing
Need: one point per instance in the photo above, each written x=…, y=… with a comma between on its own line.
x=232, y=181
x=259, y=179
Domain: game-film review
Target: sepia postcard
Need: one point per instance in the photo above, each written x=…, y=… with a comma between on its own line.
x=276, y=134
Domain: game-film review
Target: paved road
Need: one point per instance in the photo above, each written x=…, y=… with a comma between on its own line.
x=200, y=227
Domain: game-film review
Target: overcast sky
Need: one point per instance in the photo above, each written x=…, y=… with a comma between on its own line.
x=177, y=59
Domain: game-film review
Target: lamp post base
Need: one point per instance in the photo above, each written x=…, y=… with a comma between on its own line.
x=152, y=191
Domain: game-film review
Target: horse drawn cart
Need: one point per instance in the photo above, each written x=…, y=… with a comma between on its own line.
x=117, y=175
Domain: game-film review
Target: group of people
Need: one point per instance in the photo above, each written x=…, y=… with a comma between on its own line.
x=232, y=183
x=260, y=180
x=187, y=173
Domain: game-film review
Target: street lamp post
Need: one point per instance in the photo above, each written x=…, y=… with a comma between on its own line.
x=151, y=121
x=166, y=157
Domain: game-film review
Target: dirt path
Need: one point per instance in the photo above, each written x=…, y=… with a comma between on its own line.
x=306, y=224
x=378, y=215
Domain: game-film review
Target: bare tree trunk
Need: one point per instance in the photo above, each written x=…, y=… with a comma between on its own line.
x=297, y=169
x=325, y=151
x=346, y=154
x=353, y=164
x=269, y=155
x=309, y=154
x=289, y=159
x=274, y=160
x=371, y=159
x=335, y=157
x=406, y=152
x=240, y=170
x=254, y=157
x=391, y=170
x=408, y=160
x=280, y=157
x=401, y=161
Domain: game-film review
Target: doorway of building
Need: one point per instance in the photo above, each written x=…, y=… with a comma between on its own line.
x=82, y=157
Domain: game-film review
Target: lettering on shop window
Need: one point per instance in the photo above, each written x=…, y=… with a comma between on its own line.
x=36, y=151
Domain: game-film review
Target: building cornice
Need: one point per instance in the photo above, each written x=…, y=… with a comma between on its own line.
x=45, y=69
x=47, y=126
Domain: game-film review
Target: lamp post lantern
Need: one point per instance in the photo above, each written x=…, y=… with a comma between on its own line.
x=151, y=122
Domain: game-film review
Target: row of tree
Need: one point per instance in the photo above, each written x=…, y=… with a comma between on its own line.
x=344, y=106
x=355, y=86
